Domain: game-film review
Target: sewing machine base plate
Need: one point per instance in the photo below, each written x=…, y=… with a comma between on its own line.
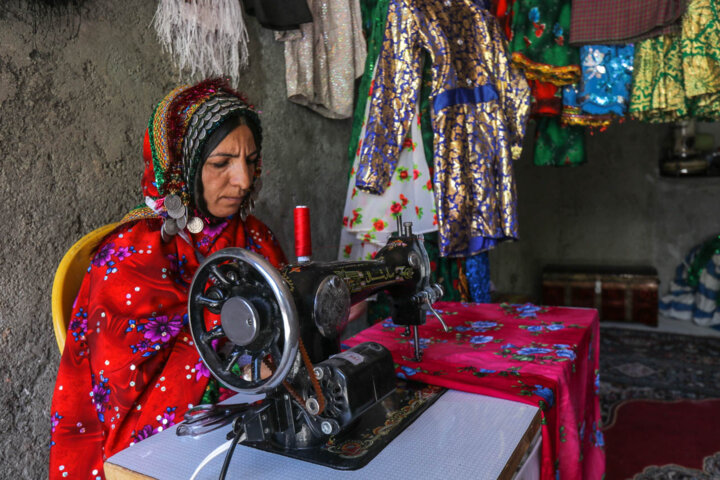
x=355, y=447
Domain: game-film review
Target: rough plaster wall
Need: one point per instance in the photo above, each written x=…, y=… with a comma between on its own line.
x=614, y=210
x=76, y=91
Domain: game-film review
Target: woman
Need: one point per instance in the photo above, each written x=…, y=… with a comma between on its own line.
x=130, y=368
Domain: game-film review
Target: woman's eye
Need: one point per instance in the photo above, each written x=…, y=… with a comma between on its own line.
x=253, y=158
x=219, y=165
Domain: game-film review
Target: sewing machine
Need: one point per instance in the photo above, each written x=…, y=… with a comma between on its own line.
x=249, y=320
x=264, y=331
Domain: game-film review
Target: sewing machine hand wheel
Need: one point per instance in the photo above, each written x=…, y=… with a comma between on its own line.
x=241, y=311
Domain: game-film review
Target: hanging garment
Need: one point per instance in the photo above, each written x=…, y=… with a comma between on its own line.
x=279, y=14
x=447, y=272
x=573, y=114
x=477, y=271
x=206, y=38
x=369, y=220
x=557, y=145
x=479, y=103
x=503, y=11
x=678, y=77
x=323, y=61
x=623, y=21
x=606, y=78
x=374, y=15
x=546, y=100
x=539, y=41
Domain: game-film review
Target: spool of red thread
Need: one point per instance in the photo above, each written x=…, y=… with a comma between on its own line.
x=303, y=245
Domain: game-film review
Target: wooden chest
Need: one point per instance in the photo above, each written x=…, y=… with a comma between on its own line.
x=620, y=294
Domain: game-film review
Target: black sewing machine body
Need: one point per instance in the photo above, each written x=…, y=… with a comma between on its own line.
x=263, y=331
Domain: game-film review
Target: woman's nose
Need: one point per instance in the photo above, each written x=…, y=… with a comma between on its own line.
x=240, y=174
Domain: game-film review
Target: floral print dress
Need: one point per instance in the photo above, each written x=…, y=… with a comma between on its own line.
x=129, y=368
x=369, y=220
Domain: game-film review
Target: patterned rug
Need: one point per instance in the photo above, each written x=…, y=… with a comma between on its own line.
x=646, y=365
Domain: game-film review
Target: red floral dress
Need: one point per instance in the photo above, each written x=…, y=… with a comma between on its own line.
x=130, y=369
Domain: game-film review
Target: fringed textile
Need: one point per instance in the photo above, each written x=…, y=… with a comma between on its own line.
x=205, y=37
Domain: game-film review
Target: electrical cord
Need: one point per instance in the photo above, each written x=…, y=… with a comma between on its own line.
x=238, y=438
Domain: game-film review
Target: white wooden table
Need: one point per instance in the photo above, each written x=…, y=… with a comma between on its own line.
x=460, y=436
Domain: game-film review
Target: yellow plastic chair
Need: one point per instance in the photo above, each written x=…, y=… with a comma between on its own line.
x=69, y=276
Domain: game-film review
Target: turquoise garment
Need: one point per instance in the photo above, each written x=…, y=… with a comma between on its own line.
x=606, y=78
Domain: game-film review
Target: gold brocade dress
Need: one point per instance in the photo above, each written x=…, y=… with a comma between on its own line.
x=479, y=109
x=678, y=76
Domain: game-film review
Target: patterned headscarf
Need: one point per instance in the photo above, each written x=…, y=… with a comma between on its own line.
x=179, y=128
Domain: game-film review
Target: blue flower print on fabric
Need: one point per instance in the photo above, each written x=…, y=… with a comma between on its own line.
x=533, y=351
x=564, y=351
x=543, y=328
x=407, y=371
x=482, y=326
x=546, y=393
x=527, y=310
x=480, y=339
x=534, y=15
x=598, y=439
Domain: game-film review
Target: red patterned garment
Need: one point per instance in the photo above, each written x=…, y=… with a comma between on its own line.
x=542, y=356
x=129, y=368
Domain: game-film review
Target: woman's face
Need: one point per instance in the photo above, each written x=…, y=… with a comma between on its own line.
x=228, y=172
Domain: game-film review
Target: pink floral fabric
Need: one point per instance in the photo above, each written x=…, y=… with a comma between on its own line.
x=543, y=356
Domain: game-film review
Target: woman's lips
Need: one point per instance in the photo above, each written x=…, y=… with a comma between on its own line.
x=232, y=199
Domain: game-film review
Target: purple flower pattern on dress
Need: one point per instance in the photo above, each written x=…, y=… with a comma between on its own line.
x=55, y=420
x=146, y=432
x=162, y=329
x=100, y=396
x=167, y=420
x=201, y=371
x=104, y=255
x=122, y=253
x=78, y=325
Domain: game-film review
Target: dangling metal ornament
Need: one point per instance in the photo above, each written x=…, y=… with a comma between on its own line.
x=181, y=222
x=195, y=225
x=174, y=206
x=169, y=229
